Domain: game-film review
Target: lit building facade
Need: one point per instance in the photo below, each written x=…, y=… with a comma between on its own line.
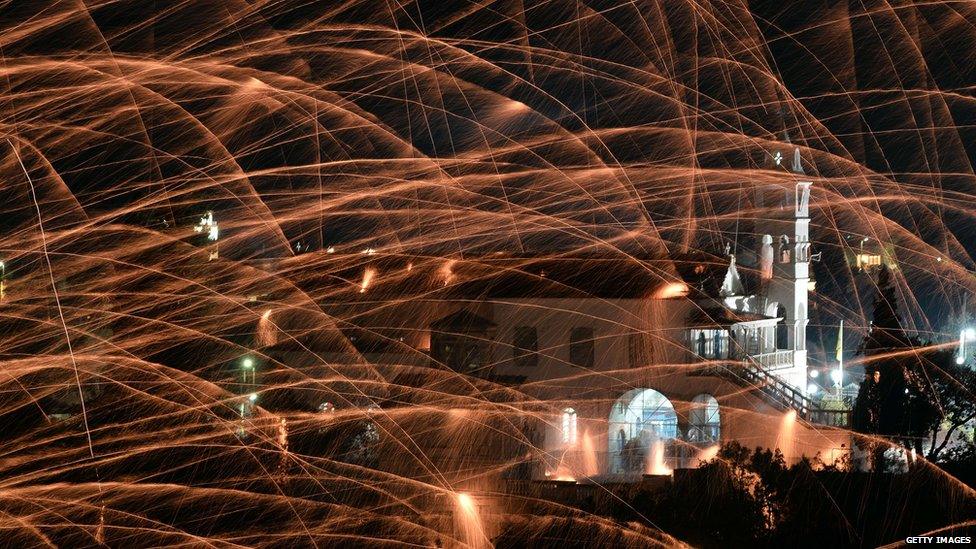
x=646, y=365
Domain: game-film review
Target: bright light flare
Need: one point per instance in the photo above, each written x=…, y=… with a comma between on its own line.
x=466, y=502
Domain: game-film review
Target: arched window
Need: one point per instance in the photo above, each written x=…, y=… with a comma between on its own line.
x=569, y=426
x=701, y=343
x=647, y=418
x=784, y=249
x=803, y=252
x=717, y=344
x=581, y=346
x=800, y=334
x=525, y=346
x=704, y=420
x=766, y=257
x=461, y=341
x=635, y=349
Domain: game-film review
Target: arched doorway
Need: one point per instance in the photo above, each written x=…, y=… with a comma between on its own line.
x=640, y=419
x=782, y=331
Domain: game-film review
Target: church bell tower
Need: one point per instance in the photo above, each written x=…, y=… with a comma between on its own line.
x=784, y=262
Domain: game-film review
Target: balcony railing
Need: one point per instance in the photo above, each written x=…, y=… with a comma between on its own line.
x=677, y=454
x=775, y=359
x=832, y=418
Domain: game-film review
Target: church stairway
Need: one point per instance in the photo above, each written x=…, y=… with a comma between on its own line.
x=751, y=375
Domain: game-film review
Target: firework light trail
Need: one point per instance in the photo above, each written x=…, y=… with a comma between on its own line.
x=240, y=242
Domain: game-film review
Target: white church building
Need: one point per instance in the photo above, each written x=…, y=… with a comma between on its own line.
x=644, y=364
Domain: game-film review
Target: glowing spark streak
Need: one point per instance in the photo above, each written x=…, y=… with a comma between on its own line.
x=786, y=440
x=57, y=300
x=471, y=529
x=446, y=272
x=656, y=464
x=675, y=289
x=368, y=276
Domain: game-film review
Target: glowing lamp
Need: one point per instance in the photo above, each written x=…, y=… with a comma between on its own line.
x=836, y=376
x=812, y=388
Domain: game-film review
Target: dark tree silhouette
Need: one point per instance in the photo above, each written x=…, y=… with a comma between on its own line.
x=881, y=404
x=940, y=403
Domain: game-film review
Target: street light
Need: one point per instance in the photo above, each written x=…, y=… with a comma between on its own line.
x=836, y=376
x=248, y=365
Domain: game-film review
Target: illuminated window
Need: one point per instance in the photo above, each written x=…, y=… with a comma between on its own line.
x=569, y=426
x=868, y=260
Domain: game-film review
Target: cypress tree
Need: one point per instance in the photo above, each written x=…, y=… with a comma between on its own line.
x=881, y=402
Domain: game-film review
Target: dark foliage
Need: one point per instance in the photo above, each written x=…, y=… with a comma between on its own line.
x=749, y=498
x=910, y=395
